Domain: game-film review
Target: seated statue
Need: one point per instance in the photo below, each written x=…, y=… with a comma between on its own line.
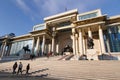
x=90, y=43
x=68, y=49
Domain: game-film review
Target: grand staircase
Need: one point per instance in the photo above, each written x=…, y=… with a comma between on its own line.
x=66, y=70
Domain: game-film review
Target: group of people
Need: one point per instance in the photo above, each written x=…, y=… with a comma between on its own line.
x=20, y=66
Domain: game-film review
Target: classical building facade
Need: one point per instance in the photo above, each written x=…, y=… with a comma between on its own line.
x=68, y=28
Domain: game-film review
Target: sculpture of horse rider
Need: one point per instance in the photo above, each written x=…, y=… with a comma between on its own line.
x=26, y=48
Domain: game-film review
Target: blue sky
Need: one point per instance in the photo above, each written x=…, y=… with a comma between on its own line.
x=19, y=16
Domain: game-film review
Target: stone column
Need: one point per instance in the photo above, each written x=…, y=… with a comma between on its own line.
x=45, y=48
x=76, y=41
x=0, y=48
x=38, y=46
x=8, y=50
x=80, y=42
x=84, y=48
x=57, y=48
x=43, y=44
x=3, y=51
x=53, y=44
x=101, y=40
x=33, y=47
x=89, y=32
x=73, y=37
x=108, y=46
x=49, y=47
x=53, y=39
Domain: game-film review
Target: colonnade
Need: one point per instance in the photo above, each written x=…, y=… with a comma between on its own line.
x=5, y=49
x=37, y=45
x=79, y=46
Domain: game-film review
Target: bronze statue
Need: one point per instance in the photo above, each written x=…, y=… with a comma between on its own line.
x=90, y=43
x=26, y=48
x=68, y=49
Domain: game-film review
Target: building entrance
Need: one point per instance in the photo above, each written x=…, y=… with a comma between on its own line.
x=63, y=40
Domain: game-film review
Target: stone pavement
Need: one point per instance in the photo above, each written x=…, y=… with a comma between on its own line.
x=87, y=70
x=46, y=69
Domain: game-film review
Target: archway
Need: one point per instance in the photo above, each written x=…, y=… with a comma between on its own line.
x=63, y=43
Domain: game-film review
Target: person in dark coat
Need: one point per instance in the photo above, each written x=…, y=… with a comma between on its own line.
x=27, y=68
x=14, y=67
x=20, y=68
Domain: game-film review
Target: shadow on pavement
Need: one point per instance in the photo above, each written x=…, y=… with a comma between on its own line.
x=10, y=76
x=41, y=70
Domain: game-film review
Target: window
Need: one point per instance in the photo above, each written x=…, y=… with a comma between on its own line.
x=17, y=46
x=114, y=38
x=39, y=27
x=87, y=16
x=63, y=24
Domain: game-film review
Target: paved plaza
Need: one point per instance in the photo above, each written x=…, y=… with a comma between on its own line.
x=48, y=69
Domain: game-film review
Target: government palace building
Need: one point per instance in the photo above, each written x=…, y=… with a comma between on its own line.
x=90, y=34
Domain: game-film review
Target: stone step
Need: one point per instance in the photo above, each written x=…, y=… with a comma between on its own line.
x=9, y=58
x=69, y=69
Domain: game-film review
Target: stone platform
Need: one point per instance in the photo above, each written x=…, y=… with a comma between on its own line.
x=92, y=54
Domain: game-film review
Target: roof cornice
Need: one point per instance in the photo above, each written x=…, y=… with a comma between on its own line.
x=61, y=14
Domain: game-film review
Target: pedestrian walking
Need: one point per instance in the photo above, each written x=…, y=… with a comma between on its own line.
x=27, y=68
x=20, y=68
x=14, y=67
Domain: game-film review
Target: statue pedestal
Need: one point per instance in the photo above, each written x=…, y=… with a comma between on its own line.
x=67, y=53
x=92, y=54
x=75, y=57
x=26, y=56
